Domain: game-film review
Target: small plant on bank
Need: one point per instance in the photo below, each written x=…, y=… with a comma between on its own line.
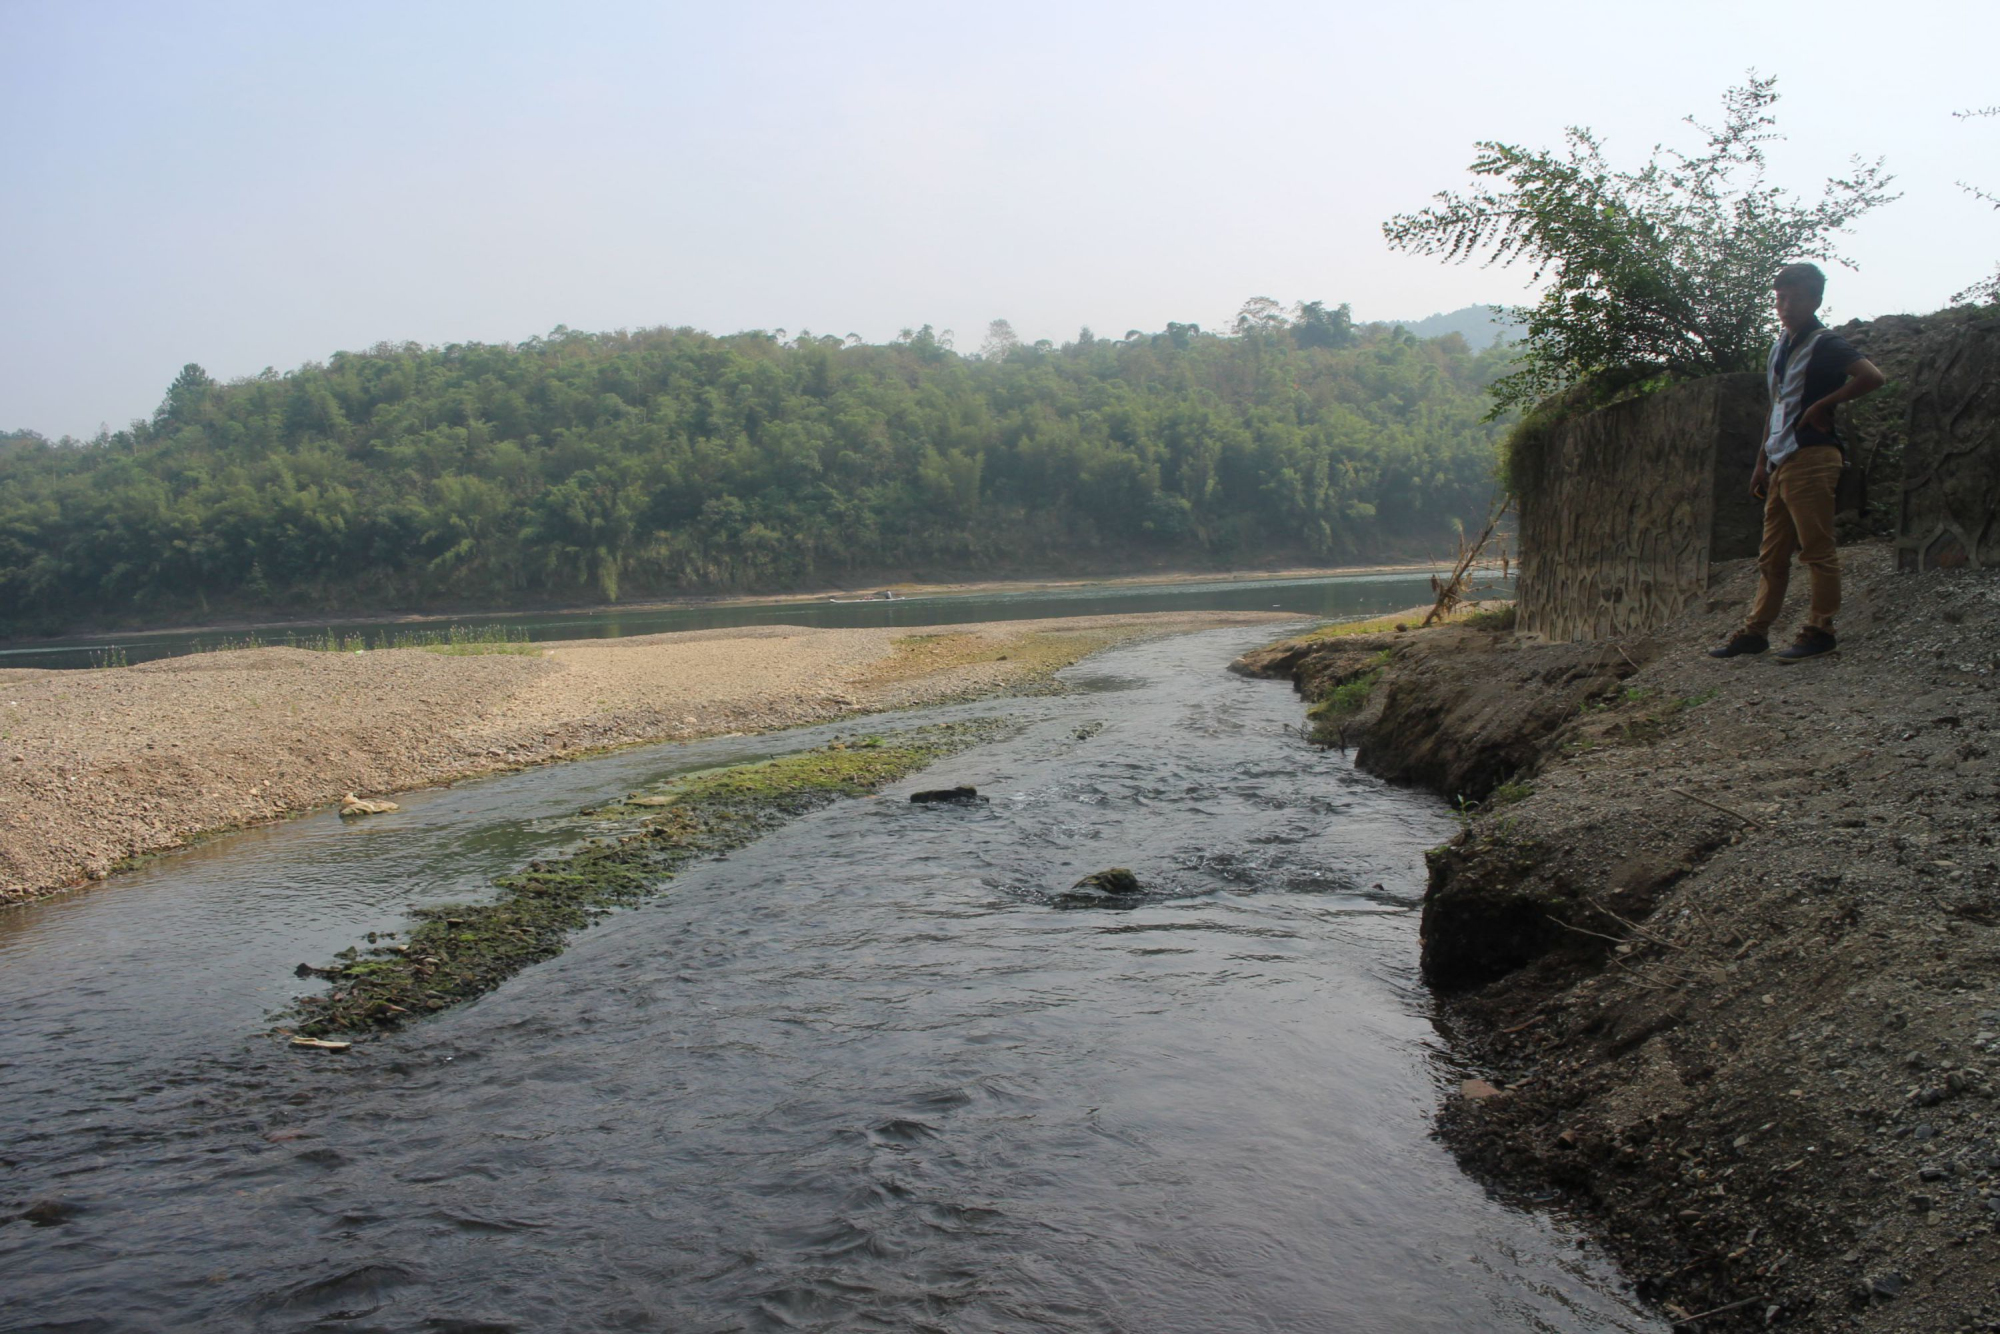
x=229, y=644
x=455, y=640
x=1497, y=620
x=1342, y=629
x=1333, y=709
x=461, y=639
x=326, y=641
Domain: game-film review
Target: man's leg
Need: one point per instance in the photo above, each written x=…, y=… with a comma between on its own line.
x=1809, y=495
x=1774, y=557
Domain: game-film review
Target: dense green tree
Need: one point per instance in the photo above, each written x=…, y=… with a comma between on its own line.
x=667, y=460
x=1316, y=326
x=1667, y=268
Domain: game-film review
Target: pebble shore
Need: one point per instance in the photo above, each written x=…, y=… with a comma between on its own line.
x=100, y=767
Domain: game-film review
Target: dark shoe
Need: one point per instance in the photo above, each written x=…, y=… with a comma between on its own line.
x=1810, y=644
x=1740, y=643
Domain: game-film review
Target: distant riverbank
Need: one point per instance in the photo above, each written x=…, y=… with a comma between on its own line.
x=98, y=767
x=1314, y=593
x=911, y=587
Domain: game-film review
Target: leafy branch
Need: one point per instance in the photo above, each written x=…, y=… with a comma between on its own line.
x=1987, y=290
x=1667, y=267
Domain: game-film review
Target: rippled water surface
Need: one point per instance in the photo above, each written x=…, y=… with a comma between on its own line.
x=868, y=1074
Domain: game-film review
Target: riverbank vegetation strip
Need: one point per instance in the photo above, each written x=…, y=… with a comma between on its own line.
x=455, y=952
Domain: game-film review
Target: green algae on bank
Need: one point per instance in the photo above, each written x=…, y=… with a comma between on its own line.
x=456, y=952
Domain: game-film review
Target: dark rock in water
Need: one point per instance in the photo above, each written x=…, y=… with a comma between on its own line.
x=963, y=795
x=1117, y=880
x=48, y=1213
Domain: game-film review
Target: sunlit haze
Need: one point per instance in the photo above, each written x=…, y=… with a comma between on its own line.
x=252, y=185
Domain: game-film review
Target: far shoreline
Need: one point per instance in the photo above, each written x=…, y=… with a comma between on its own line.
x=858, y=590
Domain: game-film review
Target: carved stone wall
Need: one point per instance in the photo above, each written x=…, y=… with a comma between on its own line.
x=1622, y=510
x=1950, y=515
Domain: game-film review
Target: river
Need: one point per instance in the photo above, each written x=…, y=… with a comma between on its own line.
x=1326, y=597
x=869, y=1073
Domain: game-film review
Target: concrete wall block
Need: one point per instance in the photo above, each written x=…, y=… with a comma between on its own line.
x=1633, y=503
x=1950, y=510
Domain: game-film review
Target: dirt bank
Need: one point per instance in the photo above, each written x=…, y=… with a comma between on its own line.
x=1724, y=935
x=100, y=766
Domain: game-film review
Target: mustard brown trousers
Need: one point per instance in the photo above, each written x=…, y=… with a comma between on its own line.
x=1798, y=520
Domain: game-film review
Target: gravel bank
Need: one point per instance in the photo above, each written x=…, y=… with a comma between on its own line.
x=100, y=766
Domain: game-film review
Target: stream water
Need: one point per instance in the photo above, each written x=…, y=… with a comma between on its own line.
x=866, y=1074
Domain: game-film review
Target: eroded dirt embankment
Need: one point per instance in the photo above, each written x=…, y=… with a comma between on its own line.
x=1724, y=934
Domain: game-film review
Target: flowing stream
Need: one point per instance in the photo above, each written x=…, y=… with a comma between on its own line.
x=869, y=1073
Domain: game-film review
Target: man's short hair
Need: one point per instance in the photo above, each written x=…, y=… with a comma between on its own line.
x=1805, y=279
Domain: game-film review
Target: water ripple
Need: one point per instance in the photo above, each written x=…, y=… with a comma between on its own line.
x=878, y=1071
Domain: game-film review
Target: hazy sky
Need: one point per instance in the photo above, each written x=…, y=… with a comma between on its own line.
x=245, y=185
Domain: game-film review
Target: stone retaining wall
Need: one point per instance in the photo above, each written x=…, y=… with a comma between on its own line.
x=1950, y=514
x=1628, y=506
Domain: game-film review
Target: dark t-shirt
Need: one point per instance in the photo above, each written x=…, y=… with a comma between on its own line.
x=1831, y=356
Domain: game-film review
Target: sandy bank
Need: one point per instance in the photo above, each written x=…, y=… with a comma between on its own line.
x=1725, y=935
x=100, y=766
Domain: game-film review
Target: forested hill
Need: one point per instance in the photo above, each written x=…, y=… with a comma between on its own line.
x=1477, y=325
x=583, y=466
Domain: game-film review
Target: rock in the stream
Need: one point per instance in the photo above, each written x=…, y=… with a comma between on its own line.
x=48, y=1213
x=963, y=795
x=1117, y=880
x=352, y=806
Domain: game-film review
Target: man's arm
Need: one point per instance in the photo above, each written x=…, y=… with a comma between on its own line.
x=1862, y=378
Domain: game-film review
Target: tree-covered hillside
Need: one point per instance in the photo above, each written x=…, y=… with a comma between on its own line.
x=668, y=460
x=1477, y=325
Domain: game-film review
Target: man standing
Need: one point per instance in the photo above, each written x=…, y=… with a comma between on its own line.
x=1812, y=370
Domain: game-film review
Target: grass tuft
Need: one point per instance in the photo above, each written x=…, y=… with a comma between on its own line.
x=457, y=640
x=1330, y=713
